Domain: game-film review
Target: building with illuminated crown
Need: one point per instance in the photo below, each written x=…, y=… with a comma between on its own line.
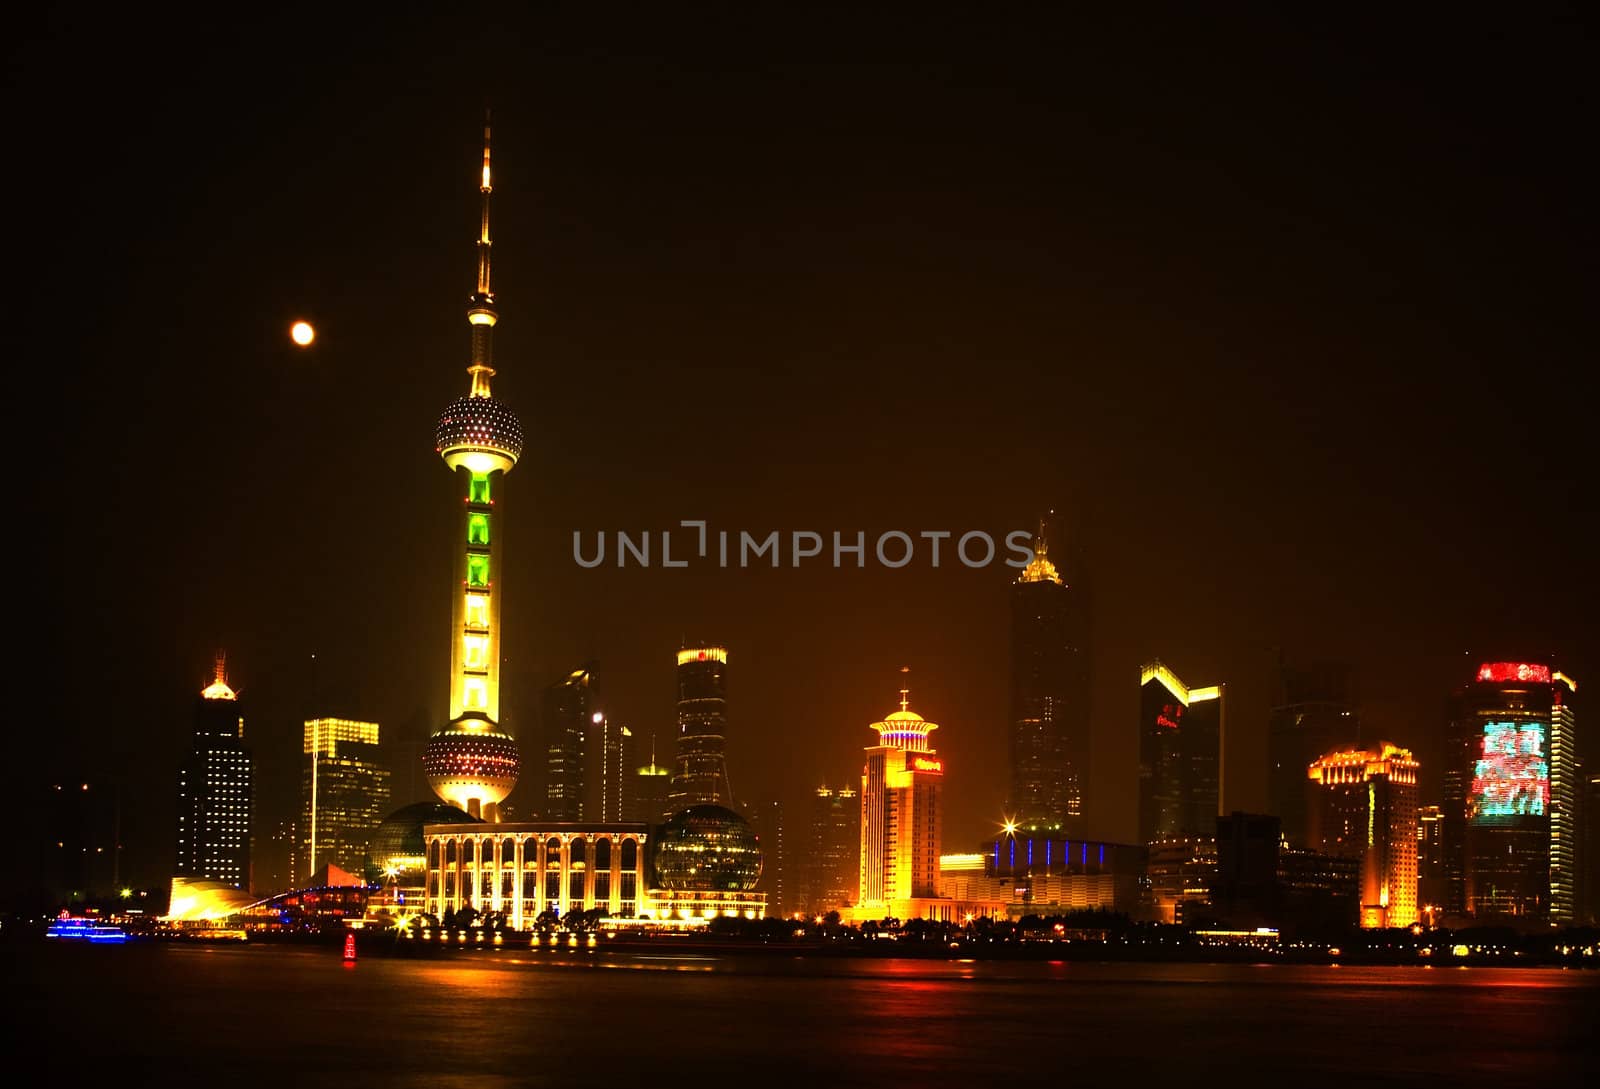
x=1365, y=807
x=700, y=771
x=1180, y=756
x=901, y=820
x=1510, y=794
x=344, y=794
x=1049, y=712
x=472, y=763
x=215, y=787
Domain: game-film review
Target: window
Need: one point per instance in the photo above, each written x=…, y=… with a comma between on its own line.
x=478, y=489
x=475, y=651
x=477, y=529
x=478, y=611
x=475, y=694
x=477, y=569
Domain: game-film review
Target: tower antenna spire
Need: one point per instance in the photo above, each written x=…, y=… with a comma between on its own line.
x=481, y=315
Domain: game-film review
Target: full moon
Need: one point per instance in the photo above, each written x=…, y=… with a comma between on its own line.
x=302, y=333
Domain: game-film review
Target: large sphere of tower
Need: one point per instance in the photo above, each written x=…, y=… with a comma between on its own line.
x=707, y=848
x=469, y=766
x=480, y=433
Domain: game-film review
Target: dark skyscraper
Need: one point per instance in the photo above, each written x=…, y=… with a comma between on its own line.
x=567, y=718
x=700, y=773
x=833, y=865
x=1315, y=715
x=766, y=819
x=1180, y=755
x=647, y=800
x=1433, y=886
x=1049, y=695
x=1511, y=793
x=214, y=790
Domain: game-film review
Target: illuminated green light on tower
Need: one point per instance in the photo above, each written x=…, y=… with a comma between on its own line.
x=478, y=529
x=477, y=569
x=478, y=489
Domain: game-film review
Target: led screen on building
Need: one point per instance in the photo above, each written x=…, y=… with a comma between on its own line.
x=1512, y=774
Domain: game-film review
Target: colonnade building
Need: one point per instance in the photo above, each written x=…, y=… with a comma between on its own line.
x=523, y=870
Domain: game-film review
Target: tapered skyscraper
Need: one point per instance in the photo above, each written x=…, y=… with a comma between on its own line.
x=1049, y=695
x=700, y=773
x=472, y=763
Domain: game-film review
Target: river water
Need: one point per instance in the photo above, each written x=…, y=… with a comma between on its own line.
x=281, y=1016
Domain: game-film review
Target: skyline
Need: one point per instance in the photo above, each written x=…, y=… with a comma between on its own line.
x=1396, y=586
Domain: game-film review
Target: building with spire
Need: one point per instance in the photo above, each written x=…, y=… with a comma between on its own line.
x=1049, y=710
x=215, y=788
x=472, y=763
x=700, y=772
x=652, y=783
x=901, y=820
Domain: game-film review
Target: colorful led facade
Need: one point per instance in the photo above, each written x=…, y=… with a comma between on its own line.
x=1366, y=808
x=901, y=818
x=1049, y=736
x=215, y=787
x=1511, y=794
x=345, y=794
x=472, y=763
x=700, y=772
x=1180, y=755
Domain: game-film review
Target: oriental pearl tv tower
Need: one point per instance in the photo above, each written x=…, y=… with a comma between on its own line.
x=471, y=763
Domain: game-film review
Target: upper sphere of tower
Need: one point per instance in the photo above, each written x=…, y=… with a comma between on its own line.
x=480, y=433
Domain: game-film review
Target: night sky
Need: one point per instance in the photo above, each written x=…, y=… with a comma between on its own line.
x=1291, y=321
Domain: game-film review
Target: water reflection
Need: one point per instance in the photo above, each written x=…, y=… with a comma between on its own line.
x=270, y=1017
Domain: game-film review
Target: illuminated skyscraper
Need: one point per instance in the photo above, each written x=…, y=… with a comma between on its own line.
x=611, y=776
x=471, y=762
x=1315, y=714
x=833, y=865
x=214, y=790
x=344, y=794
x=1180, y=756
x=901, y=817
x=1511, y=793
x=1049, y=695
x=700, y=774
x=568, y=716
x=1366, y=807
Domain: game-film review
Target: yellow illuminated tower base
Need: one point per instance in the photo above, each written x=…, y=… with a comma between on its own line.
x=471, y=763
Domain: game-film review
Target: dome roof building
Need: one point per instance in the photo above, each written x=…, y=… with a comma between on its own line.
x=707, y=848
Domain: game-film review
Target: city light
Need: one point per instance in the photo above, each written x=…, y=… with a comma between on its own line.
x=302, y=333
